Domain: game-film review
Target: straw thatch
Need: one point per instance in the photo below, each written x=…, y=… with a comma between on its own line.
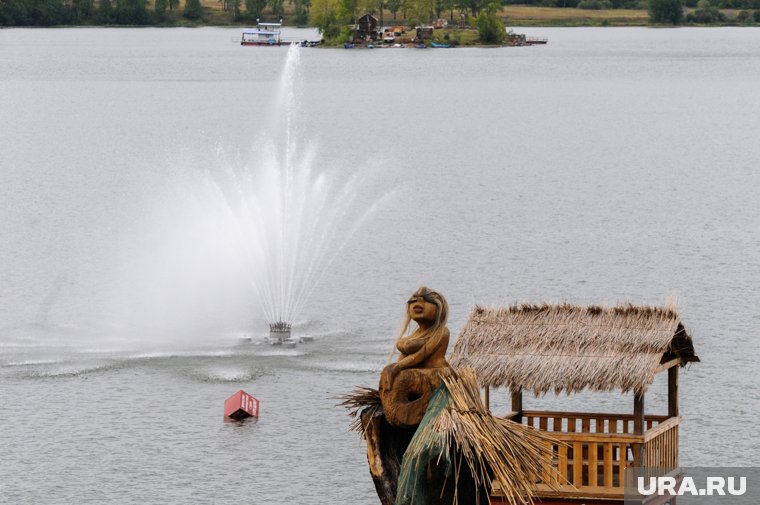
x=459, y=432
x=492, y=448
x=542, y=348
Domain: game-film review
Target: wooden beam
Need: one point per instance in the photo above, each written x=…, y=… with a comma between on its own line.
x=488, y=399
x=517, y=405
x=673, y=392
x=638, y=429
x=638, y=414
x=668, y=365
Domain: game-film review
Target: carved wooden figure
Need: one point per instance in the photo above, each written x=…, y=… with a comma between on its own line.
x=406, y=387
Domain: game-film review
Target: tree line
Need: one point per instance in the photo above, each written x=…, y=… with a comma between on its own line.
x=138, y=12
x=87, y=12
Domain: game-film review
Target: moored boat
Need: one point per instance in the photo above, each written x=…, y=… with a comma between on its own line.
x=263, y=34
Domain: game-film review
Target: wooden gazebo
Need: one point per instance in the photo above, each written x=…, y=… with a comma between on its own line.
x=569, y=348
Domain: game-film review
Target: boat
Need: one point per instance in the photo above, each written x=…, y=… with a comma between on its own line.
x=348, y=45
x=438, y=44
x=420, y=46
x=263, y=34
x=532, y=41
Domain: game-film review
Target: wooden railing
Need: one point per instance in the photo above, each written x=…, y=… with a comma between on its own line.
x=593, y=451
x=584, y=422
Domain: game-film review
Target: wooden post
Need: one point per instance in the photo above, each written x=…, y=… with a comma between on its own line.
x=673, y=391
x=638, y=428
x=517, y=405
x=488, y=399
x=638, y=414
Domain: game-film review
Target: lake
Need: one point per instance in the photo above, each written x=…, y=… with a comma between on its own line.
x=611, y=165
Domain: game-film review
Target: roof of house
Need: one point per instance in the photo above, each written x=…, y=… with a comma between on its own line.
x=564, y=347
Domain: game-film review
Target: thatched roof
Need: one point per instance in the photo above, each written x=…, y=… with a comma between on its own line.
x=565, y=347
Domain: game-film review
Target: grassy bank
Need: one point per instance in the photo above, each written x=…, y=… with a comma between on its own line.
x=529, y=15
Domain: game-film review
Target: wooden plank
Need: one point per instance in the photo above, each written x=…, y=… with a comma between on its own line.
x=676, y=457
x=590, y=415
x=562, y=463
x=592, y=463
x=543, y=422
x=607, y=465
x=623, y=464
x=586, y=425
x=488, y=398
x=557, y=426
x=571, y=422
x=661, y=428
x=577, y=464
x=550, y=475
x=616, y=438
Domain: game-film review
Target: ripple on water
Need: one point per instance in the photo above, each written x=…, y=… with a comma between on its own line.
x=224, y=374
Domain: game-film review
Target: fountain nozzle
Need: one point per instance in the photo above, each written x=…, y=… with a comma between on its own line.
x=280, y=330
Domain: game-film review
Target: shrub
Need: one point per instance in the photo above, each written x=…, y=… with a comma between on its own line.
x=490, y=28
x=756, y=16
x=744, y=17
x=706, y=13
x=665, y=11
x=193, y=9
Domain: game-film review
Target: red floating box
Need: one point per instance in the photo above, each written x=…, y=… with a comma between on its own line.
x=241, y=405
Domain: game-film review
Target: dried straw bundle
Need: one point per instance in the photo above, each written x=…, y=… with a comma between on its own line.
x=458, y=428
x=356, y=401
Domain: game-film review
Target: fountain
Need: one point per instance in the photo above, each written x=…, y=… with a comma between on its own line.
x=289, y=217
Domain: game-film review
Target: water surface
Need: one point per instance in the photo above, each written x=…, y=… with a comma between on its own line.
x=611, y=165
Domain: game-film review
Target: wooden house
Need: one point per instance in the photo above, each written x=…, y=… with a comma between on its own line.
x=567, y=349
x=367, y=28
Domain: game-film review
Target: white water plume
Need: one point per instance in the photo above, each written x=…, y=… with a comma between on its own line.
x=287, y=218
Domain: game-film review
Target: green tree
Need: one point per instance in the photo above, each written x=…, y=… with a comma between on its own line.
x=48, y=13
x=14, y=13
x=278, y=7
x=706, y=13
x=424, y=10
x=105, y=12
x=324, y=14
x=301, y=9
x=254, y=8
x=193, y=10
x=665, y=12
x=491, y=28
x=159, y=7
x=82, y=10
x=393, y=6
x=173, y=4
x=235, y=4
x=131, y=12
x=348, y=10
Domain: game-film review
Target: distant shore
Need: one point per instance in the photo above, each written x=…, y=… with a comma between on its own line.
x=213, y=13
